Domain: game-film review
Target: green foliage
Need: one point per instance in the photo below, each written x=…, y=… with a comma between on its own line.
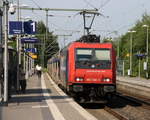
x=12, y=44
x=139, y=44
x=47, y=47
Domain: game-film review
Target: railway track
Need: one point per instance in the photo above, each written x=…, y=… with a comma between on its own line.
x=124, y=107
x=114, y=113
x=144, y=102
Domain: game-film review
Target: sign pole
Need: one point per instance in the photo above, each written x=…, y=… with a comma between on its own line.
x=18, y=47
x=6, y=3
x=24, y=58
x=1, y=65
x=46, y=37
x=32, y=61
x=27, y=63
x=1, y=14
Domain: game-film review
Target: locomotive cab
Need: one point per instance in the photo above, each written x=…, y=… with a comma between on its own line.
x=87, y=69
x=94, y=71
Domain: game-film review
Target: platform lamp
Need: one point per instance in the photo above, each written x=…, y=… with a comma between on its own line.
x=131, y=52
x=147, y=47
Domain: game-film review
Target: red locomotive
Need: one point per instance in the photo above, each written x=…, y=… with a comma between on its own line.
x=87, y=71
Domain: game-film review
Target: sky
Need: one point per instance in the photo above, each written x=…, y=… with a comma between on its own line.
x=118, y=15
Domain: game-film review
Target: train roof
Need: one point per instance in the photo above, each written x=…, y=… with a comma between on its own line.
x=87, y=45
x=90, y=45
x=88, y=41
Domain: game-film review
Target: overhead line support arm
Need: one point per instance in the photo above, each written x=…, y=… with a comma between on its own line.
x=60, y=9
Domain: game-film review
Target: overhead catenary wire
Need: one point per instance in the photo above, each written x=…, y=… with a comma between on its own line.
x=51, y=15
x=97, y=8
x=87, y=2
x=35, y=3
x=52, y=24
x=49, y=51
x=37, y=15
x=104, y=4
x=49, y=46
x=56, y=9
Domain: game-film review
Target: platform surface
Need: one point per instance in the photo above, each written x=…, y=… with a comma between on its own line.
x=43, y=100
x=135, y=80
x=134, y=86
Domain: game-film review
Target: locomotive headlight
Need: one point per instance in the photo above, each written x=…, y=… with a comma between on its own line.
x=106, y=80
x=79, y=79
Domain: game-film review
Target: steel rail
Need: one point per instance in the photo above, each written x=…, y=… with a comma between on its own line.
x=115, y=114
x=143, y=101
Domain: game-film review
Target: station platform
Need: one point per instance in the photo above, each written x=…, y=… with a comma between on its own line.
x=43, y=100
x=136, y=86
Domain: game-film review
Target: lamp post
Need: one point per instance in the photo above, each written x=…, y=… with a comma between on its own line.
x=147, y=47
x=131, y=41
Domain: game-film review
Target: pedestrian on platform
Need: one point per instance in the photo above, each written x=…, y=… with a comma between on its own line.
x=38, y=70
x=22, y=79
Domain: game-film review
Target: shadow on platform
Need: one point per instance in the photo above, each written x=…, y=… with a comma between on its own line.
x=34, y=95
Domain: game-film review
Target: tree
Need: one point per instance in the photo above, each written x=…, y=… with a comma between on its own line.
x=46, y=48
x=139, y=44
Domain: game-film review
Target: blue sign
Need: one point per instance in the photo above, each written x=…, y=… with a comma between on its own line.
x=140, y=56
x=15, y=27
x=29, y=40
x=30, y=27
x=32, y=50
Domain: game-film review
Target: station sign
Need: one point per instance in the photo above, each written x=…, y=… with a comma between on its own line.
x=32, y=50
x=19, y=27
x=145, y=65
x=29, y=40
x=33, y=56
x=140, y=56
x=15, y=27
x=29, y=27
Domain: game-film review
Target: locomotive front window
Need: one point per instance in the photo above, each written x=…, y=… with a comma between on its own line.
x=94, y=58
x=102, y=54
x=84, y=54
